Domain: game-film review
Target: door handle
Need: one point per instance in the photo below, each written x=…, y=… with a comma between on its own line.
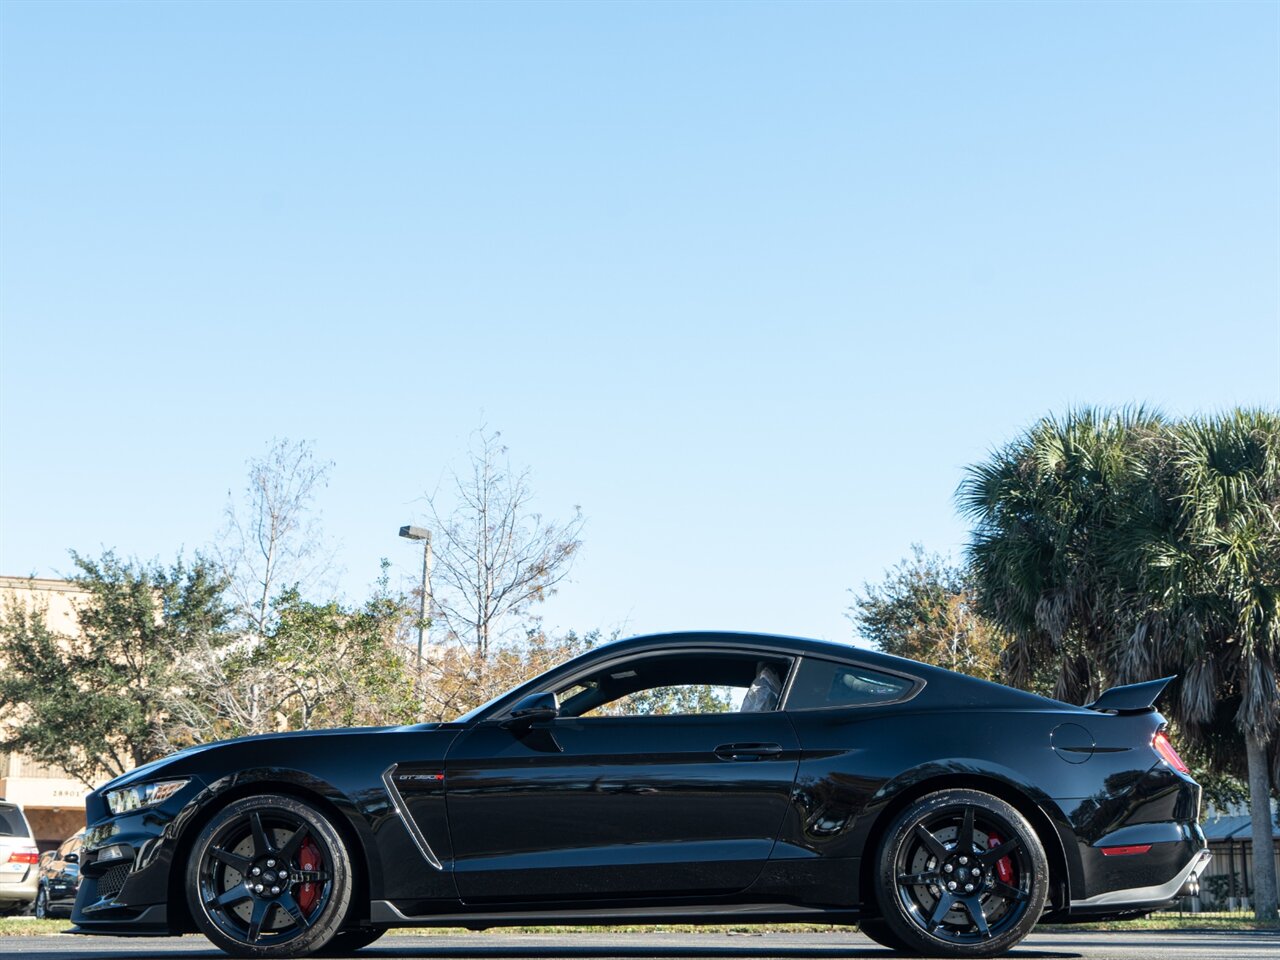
x=748, y=751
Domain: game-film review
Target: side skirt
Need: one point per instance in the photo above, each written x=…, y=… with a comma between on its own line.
x=387, y=913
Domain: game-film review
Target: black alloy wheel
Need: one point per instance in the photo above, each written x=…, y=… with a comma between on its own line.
x=269, y=876
x=42, y=903
x=961, y=874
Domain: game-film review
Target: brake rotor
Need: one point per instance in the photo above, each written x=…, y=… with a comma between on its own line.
x=277, y=919
x=927, y=895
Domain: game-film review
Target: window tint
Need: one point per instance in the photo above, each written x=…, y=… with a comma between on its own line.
x=822, y=683
x=670, y=684
x=12, y=823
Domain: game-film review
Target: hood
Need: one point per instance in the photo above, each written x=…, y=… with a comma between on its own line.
x=149, y=771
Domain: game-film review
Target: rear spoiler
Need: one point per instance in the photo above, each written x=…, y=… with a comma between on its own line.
x=1131, y=698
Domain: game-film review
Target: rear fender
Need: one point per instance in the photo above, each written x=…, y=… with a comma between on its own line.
x=1042, y=812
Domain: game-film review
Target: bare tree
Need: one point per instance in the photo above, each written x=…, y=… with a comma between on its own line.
x=495, y=559
x=272, y=541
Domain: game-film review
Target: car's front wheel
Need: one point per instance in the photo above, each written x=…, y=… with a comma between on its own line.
x=961, y=873
x=269, y=876
x=42, y=904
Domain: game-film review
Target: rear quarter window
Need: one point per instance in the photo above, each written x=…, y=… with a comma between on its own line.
x=12, y=822
x=825, y=683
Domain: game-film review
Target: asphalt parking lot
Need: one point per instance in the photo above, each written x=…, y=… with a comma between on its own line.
x=1182, y=945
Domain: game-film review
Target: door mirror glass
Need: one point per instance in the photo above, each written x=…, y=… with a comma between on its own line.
x=536, y=706
x=71, y=858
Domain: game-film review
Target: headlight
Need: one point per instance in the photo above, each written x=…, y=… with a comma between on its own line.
x=143, y=795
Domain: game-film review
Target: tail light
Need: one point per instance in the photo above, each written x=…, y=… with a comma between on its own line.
x=31, y=856
x=1160, y=743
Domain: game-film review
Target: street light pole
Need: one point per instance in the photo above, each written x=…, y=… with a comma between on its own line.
x=420, y=533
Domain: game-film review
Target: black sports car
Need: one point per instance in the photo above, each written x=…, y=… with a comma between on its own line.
x=796, y=781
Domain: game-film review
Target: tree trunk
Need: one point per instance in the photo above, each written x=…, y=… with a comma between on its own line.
x=1264, y=861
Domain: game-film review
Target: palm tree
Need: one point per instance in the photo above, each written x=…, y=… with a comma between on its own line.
x=1117, y=547
x=1047, y=508
x=1209, y=569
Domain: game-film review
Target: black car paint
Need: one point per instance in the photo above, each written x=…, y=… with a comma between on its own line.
x=482, y=822
x=60, y=876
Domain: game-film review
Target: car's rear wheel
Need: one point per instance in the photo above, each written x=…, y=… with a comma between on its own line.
x=269, y=876
x=42, y=904
x=961, y=873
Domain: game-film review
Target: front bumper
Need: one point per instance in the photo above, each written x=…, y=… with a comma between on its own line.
x=125, y=866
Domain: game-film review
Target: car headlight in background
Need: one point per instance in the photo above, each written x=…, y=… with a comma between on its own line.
x=143, y=795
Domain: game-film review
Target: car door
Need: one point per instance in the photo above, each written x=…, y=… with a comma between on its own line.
x=588, y=807
x=63, y=876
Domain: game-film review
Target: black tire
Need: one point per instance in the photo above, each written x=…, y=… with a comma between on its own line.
x=961, y=874
x=351, y=940
x=270, y=912
x=41, y=907
x=879, y=931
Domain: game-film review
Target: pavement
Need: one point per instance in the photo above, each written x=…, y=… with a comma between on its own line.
x=1091, y=945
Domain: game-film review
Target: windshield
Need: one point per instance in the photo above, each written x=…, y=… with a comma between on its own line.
x=476, y=711
x=12, y=822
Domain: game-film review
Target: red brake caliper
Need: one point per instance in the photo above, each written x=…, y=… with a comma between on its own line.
x=1004, y=866
x=308, y=859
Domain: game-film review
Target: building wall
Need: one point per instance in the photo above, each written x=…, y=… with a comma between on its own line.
x=52, y=801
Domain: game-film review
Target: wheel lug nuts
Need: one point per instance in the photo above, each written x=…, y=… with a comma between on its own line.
x=976, y=872
x=275, y=891
x=283, y=877
x=968, y=888
x=257, y=888
x=951, y=884
x=963, y=861
x=271, y=863
x=948, y=868
x=255, y=871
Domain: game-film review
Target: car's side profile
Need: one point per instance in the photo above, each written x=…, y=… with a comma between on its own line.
x=59, y=879
x=697, y=778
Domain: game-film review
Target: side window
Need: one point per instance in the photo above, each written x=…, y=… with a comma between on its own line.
x=677, y=683
x=824, y=683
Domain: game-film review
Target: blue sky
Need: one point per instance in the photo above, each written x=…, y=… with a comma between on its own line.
x=752, y=283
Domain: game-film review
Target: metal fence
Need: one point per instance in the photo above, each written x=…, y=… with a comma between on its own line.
x=1227, y=883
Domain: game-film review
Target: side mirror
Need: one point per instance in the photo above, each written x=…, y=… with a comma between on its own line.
x=71, y=858
x=534, y=707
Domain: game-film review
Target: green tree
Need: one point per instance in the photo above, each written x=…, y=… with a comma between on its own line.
x=1047, y=510
x=315, y=665
x=1117, y=547
x=99, y=702
x=1207, y=553
x=926, y=609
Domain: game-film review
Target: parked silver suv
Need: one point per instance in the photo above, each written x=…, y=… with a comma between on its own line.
x=19, y=861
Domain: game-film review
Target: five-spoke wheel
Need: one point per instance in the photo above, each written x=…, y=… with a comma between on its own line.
x=961, y=873
x=269, y=876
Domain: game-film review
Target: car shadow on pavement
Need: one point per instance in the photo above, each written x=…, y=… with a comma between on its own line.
x=426, y=949
x=763, y=951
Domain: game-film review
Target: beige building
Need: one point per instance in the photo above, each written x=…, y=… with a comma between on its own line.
x=53, y=801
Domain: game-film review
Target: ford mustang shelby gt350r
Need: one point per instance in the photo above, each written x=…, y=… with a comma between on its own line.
x=800, y=781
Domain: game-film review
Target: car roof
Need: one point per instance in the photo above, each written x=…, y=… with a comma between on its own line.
x=946, y=684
